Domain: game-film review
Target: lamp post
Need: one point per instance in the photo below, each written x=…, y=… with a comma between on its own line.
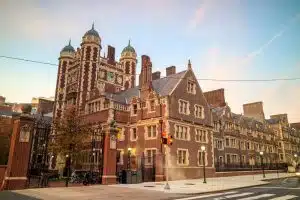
x=296, y=159
x=262, y=163
x=203, y=150
x=129, y=163
x=67, y=169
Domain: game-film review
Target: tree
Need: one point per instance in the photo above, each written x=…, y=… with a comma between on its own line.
x=71, y=135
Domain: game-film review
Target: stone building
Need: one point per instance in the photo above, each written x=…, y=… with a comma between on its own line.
x=239, y=138
x=42, y=105
x=105, y=89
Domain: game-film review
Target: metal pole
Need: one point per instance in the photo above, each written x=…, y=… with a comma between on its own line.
x=204, y=177
x=263, y=168
x=167, y=186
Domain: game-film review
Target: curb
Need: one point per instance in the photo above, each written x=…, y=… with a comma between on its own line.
x=216, y=191
x=224, y=190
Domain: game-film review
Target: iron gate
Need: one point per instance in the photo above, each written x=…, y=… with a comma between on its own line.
x=38, y=163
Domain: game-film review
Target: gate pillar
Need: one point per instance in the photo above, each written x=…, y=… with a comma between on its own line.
x=110, y=156
x=19, y=153
x=159, y=168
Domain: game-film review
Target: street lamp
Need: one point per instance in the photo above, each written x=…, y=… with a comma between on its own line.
x=67, y=169
x=203, y=150
x=129, y=162
x=262, y=163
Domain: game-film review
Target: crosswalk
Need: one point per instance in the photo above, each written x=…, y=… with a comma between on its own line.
x=241, y=196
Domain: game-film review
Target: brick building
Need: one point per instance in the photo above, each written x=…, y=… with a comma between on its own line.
x=42, y=105
x=104, y=89
x=239, y=138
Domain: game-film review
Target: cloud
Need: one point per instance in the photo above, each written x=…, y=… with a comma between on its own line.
x=277, y=35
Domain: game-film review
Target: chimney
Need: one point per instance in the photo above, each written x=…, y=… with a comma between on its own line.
x=156, y=75
x=215, y=98
x=146, y=72
x=170, y=70
x=254, y=110
x=111, y=54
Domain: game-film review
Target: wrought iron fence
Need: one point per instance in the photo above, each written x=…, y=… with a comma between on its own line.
x=223, y=167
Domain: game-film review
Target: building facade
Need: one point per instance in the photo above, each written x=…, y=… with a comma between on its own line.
x=41, y=105
x=244, y=141
x=104, y=89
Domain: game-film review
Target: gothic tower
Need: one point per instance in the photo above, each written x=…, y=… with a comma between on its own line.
x=90, y=56
x=129, y=61
x=66, y=59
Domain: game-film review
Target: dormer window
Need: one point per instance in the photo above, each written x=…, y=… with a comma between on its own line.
x=134, y=109
x=191, y=87
x=152, y=105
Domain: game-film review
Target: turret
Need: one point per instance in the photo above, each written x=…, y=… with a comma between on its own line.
x=129, y=61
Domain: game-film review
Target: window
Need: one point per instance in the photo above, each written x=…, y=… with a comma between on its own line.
x=181, y=132
x=183, y=107
x=120, y=153
x=227, y=142
x=234, y=158
x=199, y=111
x=233, y=144
x=152, y=105
x=201, y=135
x=200, y=156
x=150, y=155
x=191, y=87
x=151, y=131
x=242, y=145
x=134, y=109
x=248, y=145
x=219, y=144
x=243, y=159
x=182, y=157
x=133, y=136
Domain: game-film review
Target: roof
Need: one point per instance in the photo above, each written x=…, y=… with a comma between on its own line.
x=129, y=48
x=163, y=87
x=92, y=32
x=68, y=48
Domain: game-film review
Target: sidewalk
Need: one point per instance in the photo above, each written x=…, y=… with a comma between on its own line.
x=194, y=186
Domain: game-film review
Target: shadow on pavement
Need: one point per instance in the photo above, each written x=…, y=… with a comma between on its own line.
x=9, y=195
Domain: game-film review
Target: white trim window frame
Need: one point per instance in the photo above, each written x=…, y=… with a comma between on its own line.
x=201, y=135
x=199, y=111
x=133, y=134
x=149, y=158
x=182, y=132
x=151, y=132
x=182, y=157
x=183, y=107
x=191, y=87
x=200, y=155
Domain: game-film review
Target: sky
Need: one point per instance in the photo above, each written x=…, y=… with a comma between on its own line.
x=225, y=39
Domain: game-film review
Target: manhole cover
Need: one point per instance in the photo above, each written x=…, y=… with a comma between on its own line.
x=189, y=184
x=149, y=186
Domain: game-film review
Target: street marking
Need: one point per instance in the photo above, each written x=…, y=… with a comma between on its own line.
x=258, y=197
x=286, y=188
x=286, y=197
x=208, y=195
x=234, y=195
x=284, y=181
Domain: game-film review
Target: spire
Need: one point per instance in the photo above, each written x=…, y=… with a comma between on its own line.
x=189, y=64
x=70, y=42
x=93, y=26
x=129, y=42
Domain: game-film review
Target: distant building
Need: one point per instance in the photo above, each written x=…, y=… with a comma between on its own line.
x=2, y=100
x=42, y=105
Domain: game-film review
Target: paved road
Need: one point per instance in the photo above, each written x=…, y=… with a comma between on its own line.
x=283, y=189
